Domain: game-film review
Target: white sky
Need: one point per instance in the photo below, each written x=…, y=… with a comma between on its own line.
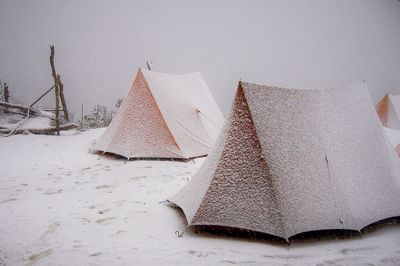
x=100, y=45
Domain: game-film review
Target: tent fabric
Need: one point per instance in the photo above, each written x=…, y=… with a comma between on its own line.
x=164, y=116
x=394, y=138
x=388, y=110
x=290, y=161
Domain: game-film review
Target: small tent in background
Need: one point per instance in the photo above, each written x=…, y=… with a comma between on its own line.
x=394, y=138
x=164, y=116
x=290, y=161
x=388, y=110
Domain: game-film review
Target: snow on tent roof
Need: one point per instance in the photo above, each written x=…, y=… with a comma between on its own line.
x=290, y=161
x=389, y=111
x=164, y=116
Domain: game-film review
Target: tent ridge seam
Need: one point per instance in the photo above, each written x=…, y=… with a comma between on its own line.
x=263, y=159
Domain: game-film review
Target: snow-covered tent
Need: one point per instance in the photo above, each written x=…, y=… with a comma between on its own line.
x=290, y=161
x=394, y=138
x=164, y=116
x=389, y=111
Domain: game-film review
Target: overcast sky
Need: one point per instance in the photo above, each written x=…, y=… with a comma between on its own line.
x=101, y=44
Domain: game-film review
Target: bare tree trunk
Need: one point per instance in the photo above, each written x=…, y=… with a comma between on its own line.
x=64, y=104
x=57, y=89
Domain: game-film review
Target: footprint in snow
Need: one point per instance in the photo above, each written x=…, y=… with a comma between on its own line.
x=102, y=186
x=238, y=262
x=51, y=228
x=81, y=182
x=119, y=202
x=53, y=191
x=118, y=232
x=36, y=257
x=105, y=220
x=103, y=211
x=7, y=200
x=137, y=177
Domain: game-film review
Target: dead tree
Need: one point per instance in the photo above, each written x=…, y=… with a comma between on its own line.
x=64, y=104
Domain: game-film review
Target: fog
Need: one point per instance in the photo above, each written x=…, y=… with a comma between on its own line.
x=101, y=44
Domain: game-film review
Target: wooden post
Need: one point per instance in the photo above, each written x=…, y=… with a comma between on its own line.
x=56, y=88
x=6, y=93
x=82, y=117
x=58, y=110
x=64, y=104
x=149, y=65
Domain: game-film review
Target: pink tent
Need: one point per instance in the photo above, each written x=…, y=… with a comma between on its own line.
x=164, y=116
x=290, y=161
x=388, y=110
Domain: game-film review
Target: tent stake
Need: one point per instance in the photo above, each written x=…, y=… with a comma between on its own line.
x=181, y=234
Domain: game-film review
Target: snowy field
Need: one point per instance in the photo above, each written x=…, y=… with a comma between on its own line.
x=61, y=205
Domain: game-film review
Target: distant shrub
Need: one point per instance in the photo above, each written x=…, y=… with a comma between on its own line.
x=98, y=117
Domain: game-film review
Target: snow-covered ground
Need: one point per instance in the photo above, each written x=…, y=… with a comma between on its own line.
x=61, y=205
x=12, y=120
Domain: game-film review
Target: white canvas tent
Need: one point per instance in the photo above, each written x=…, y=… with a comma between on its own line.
x=164, y=116
x=290, y=161
x=394, y=138
x=389, y=111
